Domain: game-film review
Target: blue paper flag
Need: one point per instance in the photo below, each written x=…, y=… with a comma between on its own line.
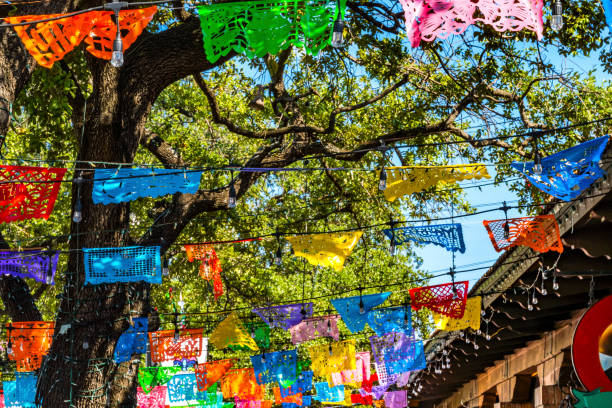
x=183, y=388
x=448, y=236
x=25, y=384
x=10, y=394
x=120, y=185
x=567, y=173
x=400, y=353
x=350, y=311
x=391, y=319
x=278, y=366
x=132, y=341
x=325, y=393
x=126, y=264
x=607, y=6
x=302, y=385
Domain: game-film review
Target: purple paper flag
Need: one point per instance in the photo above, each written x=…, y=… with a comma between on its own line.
x=38, y=265
x=284, y=316
x=396, y=399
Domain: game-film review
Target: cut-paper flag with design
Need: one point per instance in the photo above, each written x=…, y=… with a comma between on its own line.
x=327, y=359
x=30, y=342
x=408, y=180
x=427, y=19
x=25, y=389
x=241, y=383
x=447, y=299
x=471, y=317
x=231, y=332
x=36, y=264
x=247, y=403
x=125, y=264
x=155, y=398
x=210, y=266
x=567, y=173
x=396, y=399
x=302, y=385
x=391, y=319
x=353, y=377
x=284, y=316
x=256, y=28
x=183, y=390
x=385, y=379
x=361, y=400
x=209, y=373
x=286, y=399
x=121, y=185
x=151, y=378
x=50, y=41
x=337, y=395
x=314, y=328
x=448, y=236
x=9, y=389
x=398, y=352
x=540, y=233
x=188, y=346
x=260, y=332
x=28, y=192
x=330, y=249
x=354, y=310
x=275, y=367
x=132, y=341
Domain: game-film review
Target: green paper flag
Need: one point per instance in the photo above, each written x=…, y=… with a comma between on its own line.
x=150, y=377
x=255, y=28
x=260, y=333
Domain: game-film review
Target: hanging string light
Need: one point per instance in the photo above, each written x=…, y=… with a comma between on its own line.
x=556, y=21
x=231, y=202
x=77, y=216
x=117, y=55
x=537, y=159
x=338, y=33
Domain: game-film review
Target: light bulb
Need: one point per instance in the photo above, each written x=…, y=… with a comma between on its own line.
x=49, y=279
x=530, y=307
x=556, y=21
x=476, y=346
x=537, y=163
x=544, y=292
x=166, y=267
x=420, y=387
x=9, y=349
x=555, y=285
x=488, y=337
x=117, y=56
x=176, y=335
x=263, y=358
x=85, y=345
x=278, y=257
x=506, y=230
x=231, y=202
x=382, y=181
x=77, y=216
x=483, y=312
x=361, y=307
x=534, y=300
x=479, y=332
x=392, y=248
x=338, y=34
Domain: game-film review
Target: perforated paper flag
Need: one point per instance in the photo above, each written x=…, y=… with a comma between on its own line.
x=124, y=184
x=28, y=192
x=399, y=353
x=190, y=345
x=407, y=180
x=325, y=393
x=126, y=264
x=278, y=366
x=385, y=379
x=568, y=173
x=38, y=265
x=332, y=358
x=353, y=377
x=30, y=342
x=132, y=341
x=354, y=310
x=391, y=319
x=302, y=385
x=256, y=28
x=447, y=299
x=540, y=233
x=209, y=373
x=210, y=266
x=396, y=399
x=241, y=383
x=471, y=317
x=155, y=398
x=325, y=249
x=183, y=390
x=231, y=332
x=25, y=386
x=284, y=316
x=150, y=378
x=314, y=328
x=448, y=236
x=287, y=399
x=260, y=332
x=10, y=394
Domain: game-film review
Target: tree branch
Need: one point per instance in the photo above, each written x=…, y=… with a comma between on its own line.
x=162, y=150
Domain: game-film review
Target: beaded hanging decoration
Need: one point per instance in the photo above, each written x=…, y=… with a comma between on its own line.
x=121, y=185
x=28, y=192
x=353, y=377
x=448, y=236
x=407, y=180
x=132, y=341
x=182, y=388
x=231, y=332
x=568, y=173
x=209, y=373
x=241, y=383
x=126, y=264
x=260, y=332
x=278, y=366
x=50, y=41
x=256, y=28
x=471, y=317
x=327, y=359
x=166, y=348
x=396, y=399
x=150, y=378
x=38, y=265
x=447, y=299
x=314, y=328
x=427, y=20
x=329, y=249
x=25, y=385
x=302, y=385
x=391, y=319
x=30, y=342
x=284, y=316
x=210, y=266
x=540, y=233
x=354, y=310
x=155, y=398
x=287, y=399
